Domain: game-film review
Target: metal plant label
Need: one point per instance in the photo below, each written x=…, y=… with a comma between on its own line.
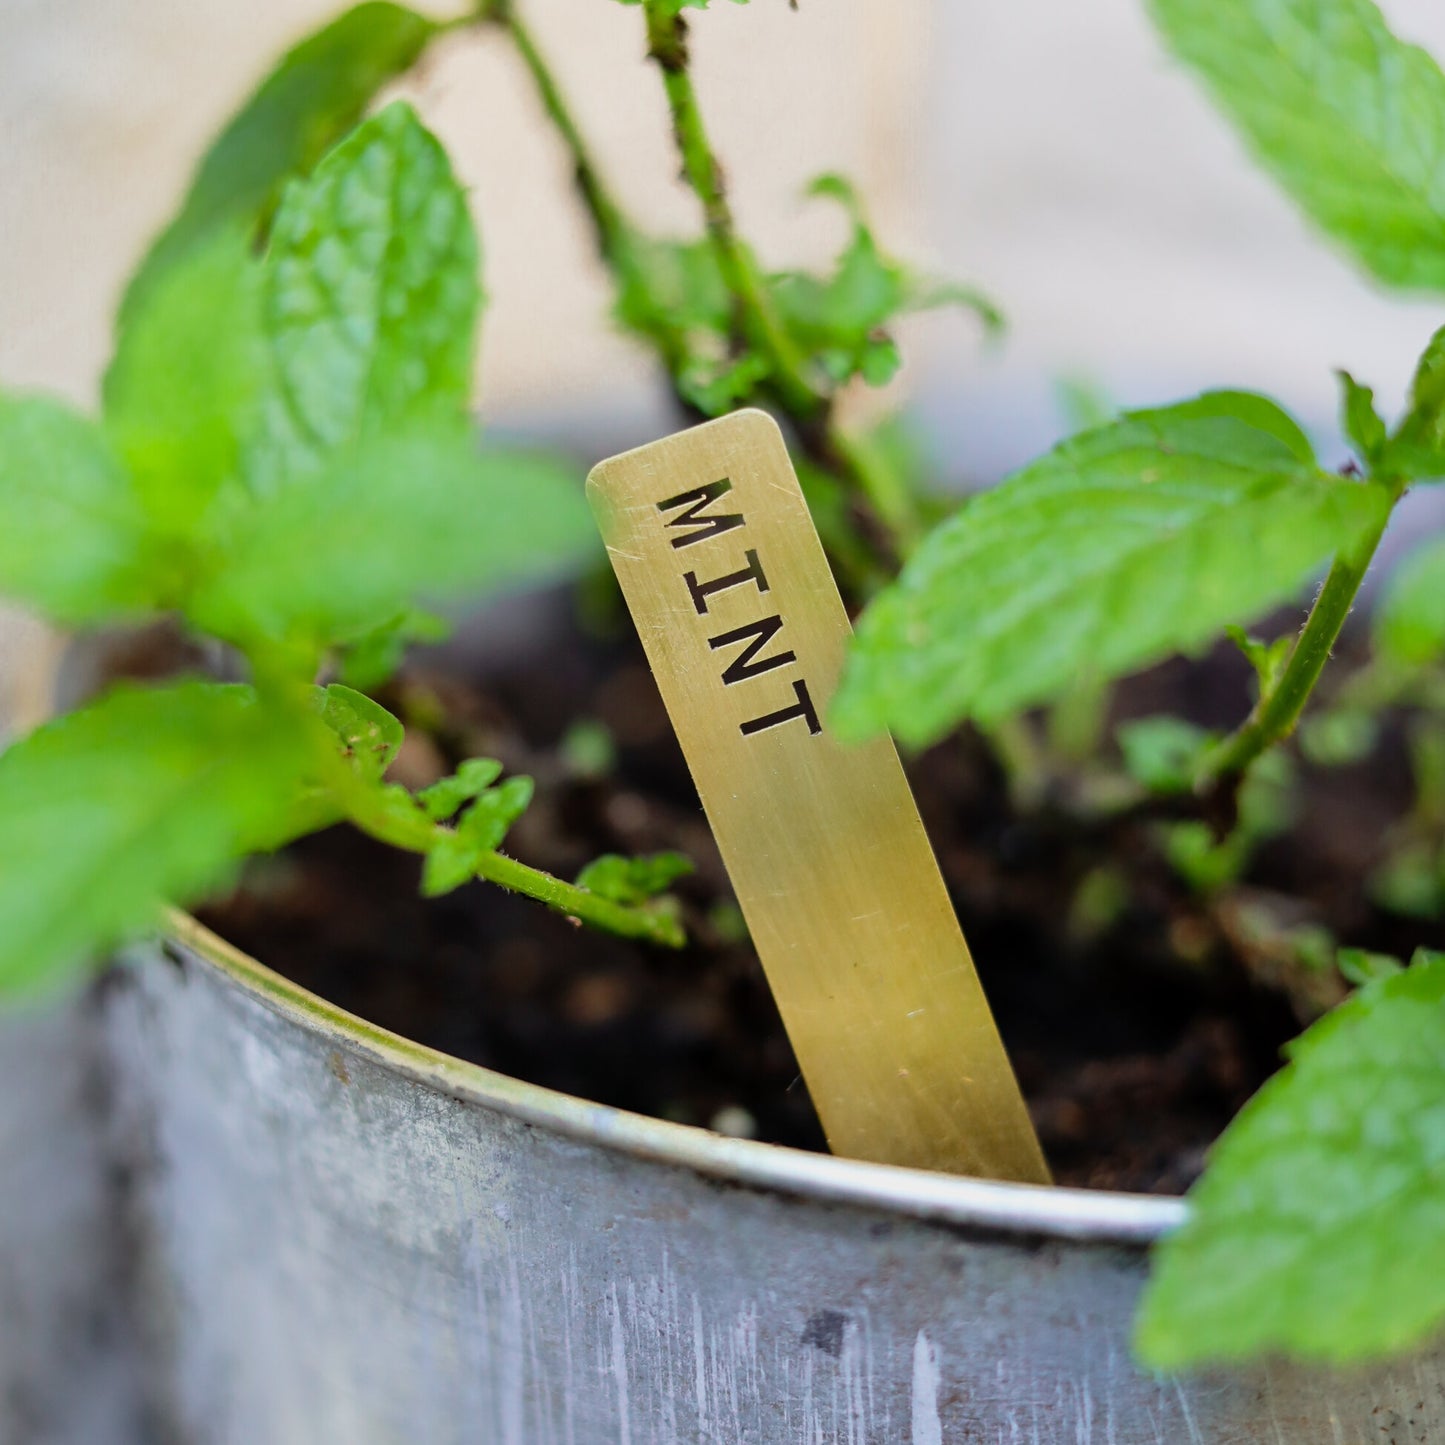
x=745, y=632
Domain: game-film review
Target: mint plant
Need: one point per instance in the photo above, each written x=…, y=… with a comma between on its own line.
x=1315, y=1228
x=284, y=462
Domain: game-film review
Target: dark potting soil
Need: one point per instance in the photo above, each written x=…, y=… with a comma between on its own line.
x=1139, y=1016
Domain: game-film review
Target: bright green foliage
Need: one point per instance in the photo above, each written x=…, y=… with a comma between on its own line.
x=1411, y=880
x=1417, y=448
x=443, y=798
x=674, y=293
x=376, y=655
x=368, y=735
x=147, y=796
x=180, y=392
x=1124, y=544
x=457, y=855
x=1207, y=862
x=1360, y=421
x=1360, y=966
x=334, y=556
x=1319, y=1229
x=1162, y=752
x=633, y=880
x=1410, y=619
x=370, y=298
x=839, y=320
x=71, y=531
x=371, y=489
x=1266, y=658
x=287, y=462
x=1337, y=737
x=315, y=95
x=484, y=825
x=1349, y=119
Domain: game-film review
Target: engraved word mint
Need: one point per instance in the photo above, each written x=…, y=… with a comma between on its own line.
x=754, y=636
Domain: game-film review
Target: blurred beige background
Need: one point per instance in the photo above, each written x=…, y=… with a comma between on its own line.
x=1044, y=148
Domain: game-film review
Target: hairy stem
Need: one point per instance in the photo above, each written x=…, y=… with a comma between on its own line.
x=605, y=213
x=1278, y=710
x=579, y=903
x=887, y=493
x=366, y=806
x=757, y=321
x=615, y=236
x=810, y=409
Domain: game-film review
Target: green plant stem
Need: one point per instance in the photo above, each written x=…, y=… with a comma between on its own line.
x=579, y=903
x=887, y=492
x=1278, y=710
x=614, y=235
x=826, y=443
x=413, y=832
x=759, y=324
x=606, y=215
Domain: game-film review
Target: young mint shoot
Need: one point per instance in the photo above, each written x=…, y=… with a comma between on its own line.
x=285, y=461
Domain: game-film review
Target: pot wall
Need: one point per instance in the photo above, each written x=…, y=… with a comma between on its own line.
x=350, y=1238
x=67, y=1374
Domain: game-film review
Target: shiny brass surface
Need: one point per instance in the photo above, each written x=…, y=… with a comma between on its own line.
x=745, y=631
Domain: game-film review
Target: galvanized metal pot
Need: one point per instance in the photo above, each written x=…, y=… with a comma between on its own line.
x=341, y=1236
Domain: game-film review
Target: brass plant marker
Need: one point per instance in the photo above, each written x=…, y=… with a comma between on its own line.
x=745, y=631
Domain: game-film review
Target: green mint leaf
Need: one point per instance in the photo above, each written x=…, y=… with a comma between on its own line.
x=1360, y=421
x=1162, y=752
x=388, y=812
x=145, y=797
x=451, y=862
x=1123, y=545
x=839, y=320
x=484, y=825
x=180, y=391
x=673, y=287
x=717, y=387
x=337, y=555
x=928, y=293
x=588, y=750
x=369, y=737
x=632, y=881
x=315, y=95
x=373, y=658
x=1360, y=967
x=1417, y=449
x=1409, y=624
x=370, y=299
x=456, y=854
x=1316, y=1231
x=1266, y=658
x=1349, y=119
x=1339, y=736
x=444, y=797
x=1411, y=881
x=72, y=536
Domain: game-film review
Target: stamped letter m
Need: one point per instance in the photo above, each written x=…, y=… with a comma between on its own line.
x=704, y=524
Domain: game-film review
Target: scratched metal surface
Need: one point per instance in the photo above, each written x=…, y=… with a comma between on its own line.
x=66, y=1374
x=352, y=1239
x=714, y=548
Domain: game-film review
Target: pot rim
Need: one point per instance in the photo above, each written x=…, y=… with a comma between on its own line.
x=1100, y=1216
